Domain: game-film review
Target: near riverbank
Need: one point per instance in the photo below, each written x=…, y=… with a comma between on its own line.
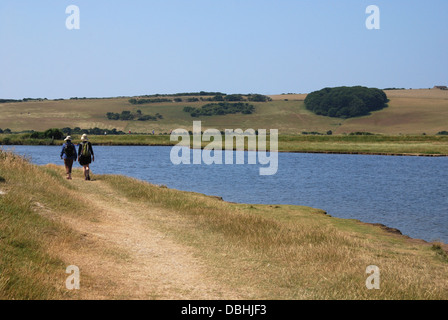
x=134, y=240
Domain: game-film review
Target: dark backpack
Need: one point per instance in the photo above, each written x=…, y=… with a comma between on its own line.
x=85, y=151
x=70, y=150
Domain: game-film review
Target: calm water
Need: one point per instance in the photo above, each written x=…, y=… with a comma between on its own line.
x=407, y=193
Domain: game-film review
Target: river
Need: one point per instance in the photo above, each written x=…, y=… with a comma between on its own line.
x=407, y=193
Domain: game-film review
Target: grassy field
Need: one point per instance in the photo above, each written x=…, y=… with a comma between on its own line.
x=132, y=239
x=410, y=112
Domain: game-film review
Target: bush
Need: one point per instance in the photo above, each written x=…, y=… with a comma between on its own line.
x=234, y=97
x=113, y=116
x=358, y=133
x=346, y=102
x=313, y=133
x=221, y=108
x=142, y=101
x=128, y=116
x=56, y=134
x=442, y=133
x=258, y=98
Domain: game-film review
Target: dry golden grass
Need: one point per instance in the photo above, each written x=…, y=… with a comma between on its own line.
x=134, y=240
x=409, y=112
x=287, y=252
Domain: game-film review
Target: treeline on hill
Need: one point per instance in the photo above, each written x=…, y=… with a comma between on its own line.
x=59, y=134
x=200, y=93
x=22, y=100
x=221, y=108
x=217, y=97
x=128, y=115
x=346, y=102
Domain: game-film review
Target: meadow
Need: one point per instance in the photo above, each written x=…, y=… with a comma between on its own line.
x=410, y=112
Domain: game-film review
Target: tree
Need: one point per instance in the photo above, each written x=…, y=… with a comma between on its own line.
x=113, y=116
x=126, y=115
x=220, y=108
x=234, y=97
x=346, y=102
x=66, y=130
x=54, y=134
x=258, y=98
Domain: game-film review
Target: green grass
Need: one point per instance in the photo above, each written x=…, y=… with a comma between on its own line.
x=374, y=144
x=28, y=267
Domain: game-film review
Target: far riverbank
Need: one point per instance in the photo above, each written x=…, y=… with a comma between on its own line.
x=403, y=145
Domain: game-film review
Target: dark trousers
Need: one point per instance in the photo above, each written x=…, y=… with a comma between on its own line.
x=68, y=165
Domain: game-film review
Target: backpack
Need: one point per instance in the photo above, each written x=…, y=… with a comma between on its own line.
x=85, y=151
x=70, y=150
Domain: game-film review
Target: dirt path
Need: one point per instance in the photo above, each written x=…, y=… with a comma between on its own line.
x=125, y=257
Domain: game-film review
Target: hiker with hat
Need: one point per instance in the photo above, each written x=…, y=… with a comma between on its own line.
x=68, y=154
x=85, y=155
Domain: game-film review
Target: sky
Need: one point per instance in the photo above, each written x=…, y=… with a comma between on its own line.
x=140, y=47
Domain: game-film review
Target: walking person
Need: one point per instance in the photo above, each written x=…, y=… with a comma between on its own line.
x=85, y=155
x=68, y=154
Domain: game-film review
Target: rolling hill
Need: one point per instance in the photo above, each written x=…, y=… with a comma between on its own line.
x=414, y=111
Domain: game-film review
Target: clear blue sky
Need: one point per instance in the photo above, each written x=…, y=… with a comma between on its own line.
x=135, y=47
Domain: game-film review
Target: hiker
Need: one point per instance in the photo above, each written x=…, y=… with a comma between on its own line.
x=85, y=155
x=68, y=154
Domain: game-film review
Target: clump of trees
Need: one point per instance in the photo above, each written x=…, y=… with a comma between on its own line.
x=346, y=102
x=92, y=131
x=59, y=134
x=193, y=97
x=53, y=133
x=221, y=108
x=258, y=98
x=200, y=93
x=143, y=101
x=361, y=133
x=6, y=131
x=9, y=100
x=128, y=115
x=442, y=133
x=22, y=100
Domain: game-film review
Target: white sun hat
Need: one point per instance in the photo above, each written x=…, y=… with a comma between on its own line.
x=84, y=137
x=68, y=138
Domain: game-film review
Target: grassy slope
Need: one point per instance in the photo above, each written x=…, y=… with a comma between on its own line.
x=268, y=252
x=410, y=112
